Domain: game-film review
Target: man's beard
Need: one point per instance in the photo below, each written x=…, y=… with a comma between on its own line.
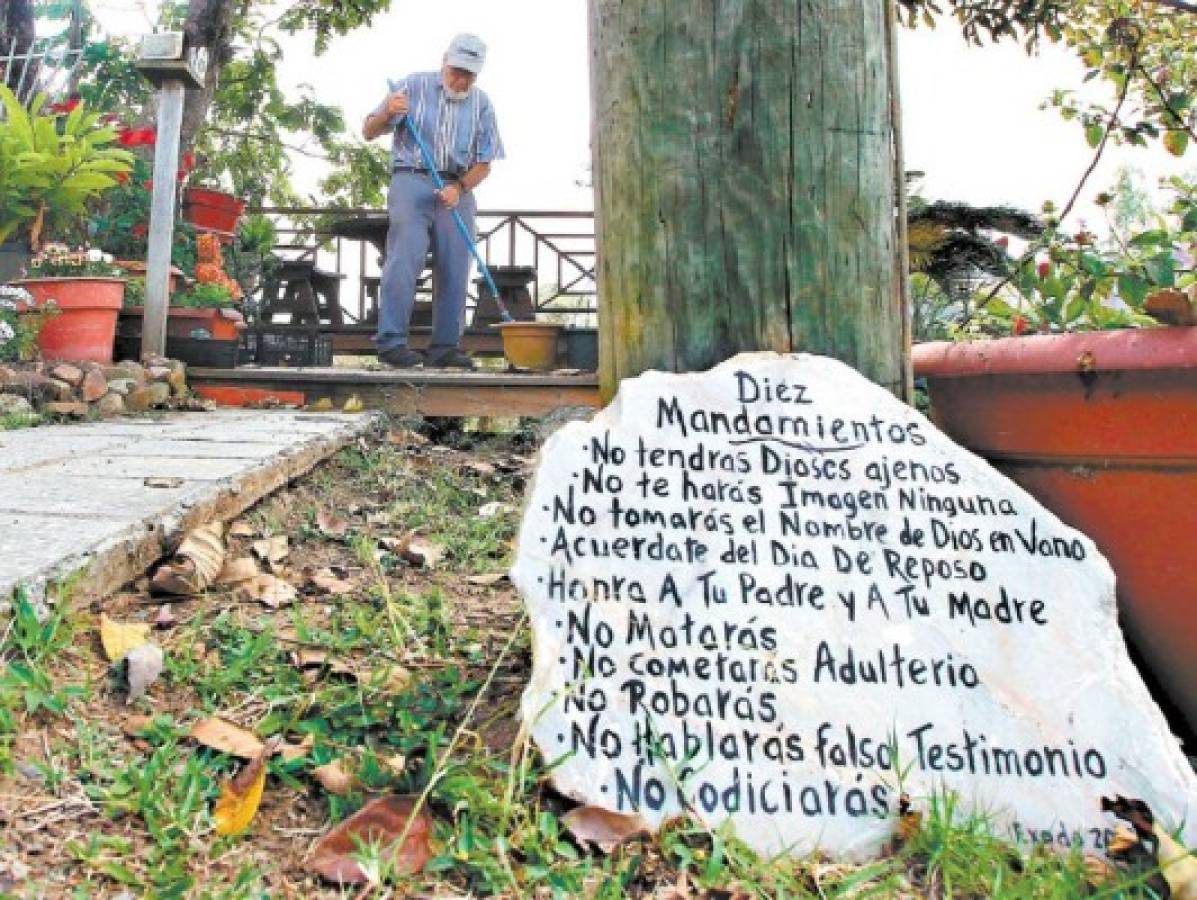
x=455, y=96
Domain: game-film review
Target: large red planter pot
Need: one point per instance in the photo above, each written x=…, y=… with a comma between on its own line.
x=1102, y=429
x=85, y=327
x=212, y=210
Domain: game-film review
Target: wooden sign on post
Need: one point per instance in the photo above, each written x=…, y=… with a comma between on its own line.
x=172, y=70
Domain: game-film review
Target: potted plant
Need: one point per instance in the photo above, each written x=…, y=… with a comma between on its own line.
x=203, y=326
x=212, y=210
x=53, y=164
x=1091, y=406
x=85, y=290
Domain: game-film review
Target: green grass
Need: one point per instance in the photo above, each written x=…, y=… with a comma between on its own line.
x=498, y=828
x=16, y=420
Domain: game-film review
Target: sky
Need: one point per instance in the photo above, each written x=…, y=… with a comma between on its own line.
x=971, y=117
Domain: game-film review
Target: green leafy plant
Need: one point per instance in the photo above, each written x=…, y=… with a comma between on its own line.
x=204, y=296
x=52, y=166
x=1077, y=284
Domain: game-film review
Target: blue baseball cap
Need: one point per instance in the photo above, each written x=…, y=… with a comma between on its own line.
x=466, y=51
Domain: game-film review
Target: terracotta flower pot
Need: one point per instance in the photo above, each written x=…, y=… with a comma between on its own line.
x=85, y=327
x=1102, y=429
x=212, y=210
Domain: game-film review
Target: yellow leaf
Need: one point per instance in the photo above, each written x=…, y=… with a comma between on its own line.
x=353, y=405
x=119, y=638
x=240, y=797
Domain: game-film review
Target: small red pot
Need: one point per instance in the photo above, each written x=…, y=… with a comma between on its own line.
x=212, y=210
x=85, y=327
x=1102, y=429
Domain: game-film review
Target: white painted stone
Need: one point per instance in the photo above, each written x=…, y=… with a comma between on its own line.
x=779, y=740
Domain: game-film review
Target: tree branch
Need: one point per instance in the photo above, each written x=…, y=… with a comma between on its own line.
x=1034, y=248
x=1181, y=5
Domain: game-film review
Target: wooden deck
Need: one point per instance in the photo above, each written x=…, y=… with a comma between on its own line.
x=414, y=391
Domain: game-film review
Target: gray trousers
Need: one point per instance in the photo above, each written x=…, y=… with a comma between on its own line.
x=418, y=220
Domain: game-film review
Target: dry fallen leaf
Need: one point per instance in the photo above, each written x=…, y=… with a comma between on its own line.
x=134, y=725
x=488, y=579
x=272, y=550
x=418, y=551
x=291, y=752
x=1172, y=307
x=324, y=404
x=490, y=510
x=406, y=439
x=269, y=590
x=235, y=571
x=196, y=563
x=241, y=796
x=383, y=821
x=119, y=638
x=480, y=467
x=143, y=666
x=165, y=617
x=331, y=524
x=327, y=581
x=227, y=738
x=318, y=659
x=241, y=529
x=335, y=777
x=603, y=828
x=392, y=679
x=353, y=405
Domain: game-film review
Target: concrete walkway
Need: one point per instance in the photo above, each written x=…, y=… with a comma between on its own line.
x=98, y=503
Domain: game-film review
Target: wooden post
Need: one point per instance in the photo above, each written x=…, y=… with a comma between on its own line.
x=162, y=218
x=744, y=179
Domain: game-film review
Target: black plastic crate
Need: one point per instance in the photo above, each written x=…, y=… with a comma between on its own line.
x=281, y=345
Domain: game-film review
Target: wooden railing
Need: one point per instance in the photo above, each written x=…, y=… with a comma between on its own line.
x=558, y=246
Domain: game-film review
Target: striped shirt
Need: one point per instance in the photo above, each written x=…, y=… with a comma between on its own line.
x=458, y=134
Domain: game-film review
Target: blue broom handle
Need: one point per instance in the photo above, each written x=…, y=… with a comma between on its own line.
x=461, y=225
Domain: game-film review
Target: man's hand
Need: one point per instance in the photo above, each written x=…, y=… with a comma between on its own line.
x=451, y=195
x=378, y=123
x=397, y=104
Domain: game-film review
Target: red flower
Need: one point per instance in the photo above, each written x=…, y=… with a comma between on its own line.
x=188, y=161
x=148, y=136
x=148, y=185
x=1045, y=269
x=126, y=137
x=1003, y=242
x=63, y=108
x=122, y=177
x=1020, y=324
x=139, y=229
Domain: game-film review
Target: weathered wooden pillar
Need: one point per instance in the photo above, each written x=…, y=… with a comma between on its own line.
x=744, y=163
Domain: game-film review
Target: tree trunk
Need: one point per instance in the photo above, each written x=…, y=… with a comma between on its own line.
x=744, y=178
x=16, y=37
x=209, y=24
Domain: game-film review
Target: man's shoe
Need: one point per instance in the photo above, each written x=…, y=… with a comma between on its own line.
x=401, y=357
x=450, y=358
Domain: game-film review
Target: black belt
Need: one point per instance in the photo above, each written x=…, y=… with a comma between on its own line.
x=445, y=176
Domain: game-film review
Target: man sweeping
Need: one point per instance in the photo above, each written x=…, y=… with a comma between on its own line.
x=456, y=121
